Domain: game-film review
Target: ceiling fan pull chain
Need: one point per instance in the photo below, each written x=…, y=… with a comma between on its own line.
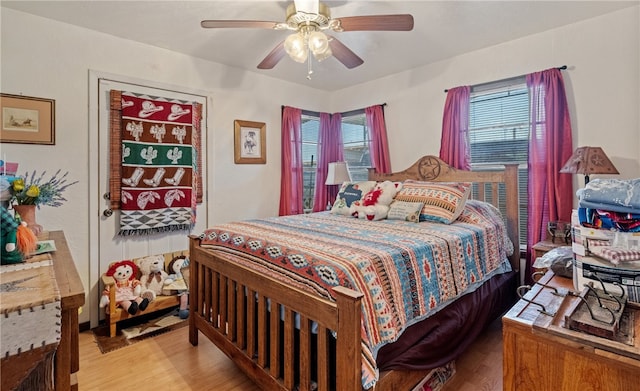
x=309, y=68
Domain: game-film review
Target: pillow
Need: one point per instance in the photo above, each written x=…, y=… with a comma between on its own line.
x=349, y=193
x=405, y=210
x=443, y=201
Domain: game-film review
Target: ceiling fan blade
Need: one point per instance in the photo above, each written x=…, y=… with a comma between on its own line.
x=399, y=22
x=217, y=24
x=273, y=57
x=344, y=54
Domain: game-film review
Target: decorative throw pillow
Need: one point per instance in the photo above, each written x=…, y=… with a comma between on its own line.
x=443, y=201
x=404, y=210
x=350, y=193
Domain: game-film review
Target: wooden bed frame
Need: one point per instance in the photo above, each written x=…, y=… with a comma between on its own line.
x=277, y=354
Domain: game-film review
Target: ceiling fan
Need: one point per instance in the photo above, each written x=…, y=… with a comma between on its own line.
x=309, y=19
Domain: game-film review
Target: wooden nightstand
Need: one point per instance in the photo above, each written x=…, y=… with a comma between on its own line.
x=540, y=354
x=543, y=247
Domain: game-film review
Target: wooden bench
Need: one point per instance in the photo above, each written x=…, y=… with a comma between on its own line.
x=115, y=314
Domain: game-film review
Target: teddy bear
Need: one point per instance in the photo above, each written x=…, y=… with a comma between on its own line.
x=128, y=288
x=152, y=274
x=176, y=282
x=375, y=204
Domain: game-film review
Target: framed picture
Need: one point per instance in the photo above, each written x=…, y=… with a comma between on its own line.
x=250, y=142
x=27, y=120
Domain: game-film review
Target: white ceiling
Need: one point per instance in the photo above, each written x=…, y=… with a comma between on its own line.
x=443, y=29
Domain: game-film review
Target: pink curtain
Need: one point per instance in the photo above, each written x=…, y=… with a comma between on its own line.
x=380, y=159
x=291, y=199
x=330, y=150
x=550, y=195
x=454, y=144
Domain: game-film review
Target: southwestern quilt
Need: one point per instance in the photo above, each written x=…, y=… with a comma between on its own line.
x=406, y=271
x=158, y=165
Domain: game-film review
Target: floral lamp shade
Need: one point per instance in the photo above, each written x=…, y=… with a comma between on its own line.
x=587, y=161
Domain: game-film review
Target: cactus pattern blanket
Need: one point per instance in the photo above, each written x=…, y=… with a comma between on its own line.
x=158, y=164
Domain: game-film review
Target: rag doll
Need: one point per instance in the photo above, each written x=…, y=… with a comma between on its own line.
x=128, y=288
x=176, y=282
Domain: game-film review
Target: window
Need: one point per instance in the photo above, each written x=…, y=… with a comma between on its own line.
x=499, y=132
x=310, y=130
x=355, y=138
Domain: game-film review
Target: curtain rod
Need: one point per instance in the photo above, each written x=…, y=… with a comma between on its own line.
x=515, y=77
x=346, y=113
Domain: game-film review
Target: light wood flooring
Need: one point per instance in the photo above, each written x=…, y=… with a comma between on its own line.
x=169, y=362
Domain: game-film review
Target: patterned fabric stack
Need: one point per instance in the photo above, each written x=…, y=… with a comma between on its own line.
x=611, y=204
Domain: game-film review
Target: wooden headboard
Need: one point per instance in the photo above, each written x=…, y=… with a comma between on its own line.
x=432, y=169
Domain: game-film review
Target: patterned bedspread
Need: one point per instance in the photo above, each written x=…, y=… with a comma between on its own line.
x=406, y=271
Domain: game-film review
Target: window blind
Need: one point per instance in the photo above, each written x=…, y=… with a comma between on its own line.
x=499, y=133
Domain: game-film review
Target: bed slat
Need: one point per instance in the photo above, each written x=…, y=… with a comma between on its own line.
x=323, y=357
x=274, y=349
x=262, y=331
x=289, y=326
x=241, y=317
x=305, y=355
x=251, y=324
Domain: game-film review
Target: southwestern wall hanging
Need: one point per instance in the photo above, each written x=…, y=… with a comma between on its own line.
x=154, y=162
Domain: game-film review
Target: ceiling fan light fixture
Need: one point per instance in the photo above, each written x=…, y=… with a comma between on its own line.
x=296, y=47
x=318, y=42
x=322, y=56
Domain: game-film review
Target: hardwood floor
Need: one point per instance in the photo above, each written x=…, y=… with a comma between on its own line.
x=169, y=362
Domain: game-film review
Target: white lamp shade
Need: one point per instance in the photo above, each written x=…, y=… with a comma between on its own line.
x=337, y=173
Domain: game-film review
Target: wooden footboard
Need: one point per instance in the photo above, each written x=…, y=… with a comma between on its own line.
x=270, y=336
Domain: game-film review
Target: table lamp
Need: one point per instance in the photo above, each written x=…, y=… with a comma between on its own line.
x=587, y=161
x=337, y=173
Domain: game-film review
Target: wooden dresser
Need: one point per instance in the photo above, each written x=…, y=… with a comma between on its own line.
x=555, y=358
x=16, y=369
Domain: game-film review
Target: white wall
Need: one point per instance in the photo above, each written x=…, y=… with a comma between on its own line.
x=45, y=58
x=49, y=59
x=602, y=83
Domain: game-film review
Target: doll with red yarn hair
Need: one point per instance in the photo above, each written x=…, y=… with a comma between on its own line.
x=128, y=287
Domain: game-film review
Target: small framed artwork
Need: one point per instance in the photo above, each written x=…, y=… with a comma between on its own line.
x=250, y=142
x=27, y=120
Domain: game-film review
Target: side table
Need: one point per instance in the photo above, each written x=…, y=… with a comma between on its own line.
x=543, y=247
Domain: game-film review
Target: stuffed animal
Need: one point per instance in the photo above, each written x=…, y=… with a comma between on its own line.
x=17, y=241
x=128, y=288
x=152, y=274
x=176, y=282
x=375, y=204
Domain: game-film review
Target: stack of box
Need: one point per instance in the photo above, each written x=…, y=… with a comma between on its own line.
x=589, y=268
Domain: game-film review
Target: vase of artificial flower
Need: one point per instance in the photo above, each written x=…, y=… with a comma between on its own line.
x=32, y=191
x=27, y=213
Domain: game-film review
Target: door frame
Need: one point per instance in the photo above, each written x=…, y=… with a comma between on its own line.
x=96, y=202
